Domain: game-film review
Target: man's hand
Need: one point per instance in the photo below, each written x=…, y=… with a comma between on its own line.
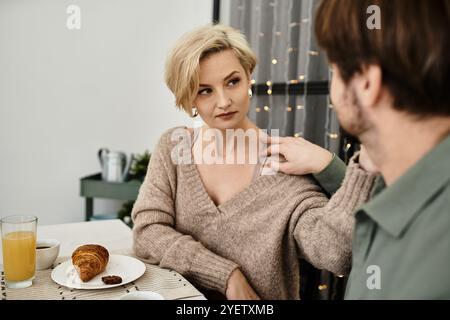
x=238, y=287
x=300, y=156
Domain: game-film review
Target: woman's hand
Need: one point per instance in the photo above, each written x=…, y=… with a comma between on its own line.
x=238, y=287
x=300, y=156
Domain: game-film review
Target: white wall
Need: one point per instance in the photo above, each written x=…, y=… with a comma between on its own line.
x=66, y=93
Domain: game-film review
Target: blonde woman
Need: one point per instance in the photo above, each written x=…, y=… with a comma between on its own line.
x=226, y=226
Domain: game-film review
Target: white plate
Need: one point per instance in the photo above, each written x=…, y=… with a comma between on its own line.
x=128, y=268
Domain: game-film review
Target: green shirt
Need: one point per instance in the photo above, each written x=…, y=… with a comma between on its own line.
x=401, y=242
x=331, y=178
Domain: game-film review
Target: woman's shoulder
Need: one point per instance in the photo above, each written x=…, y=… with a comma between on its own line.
x=300, y=183
x=172, y=136
x=174, y=143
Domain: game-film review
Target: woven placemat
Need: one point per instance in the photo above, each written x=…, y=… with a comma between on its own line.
x=170, y=284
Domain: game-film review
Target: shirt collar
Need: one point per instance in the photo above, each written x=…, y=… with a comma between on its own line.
x=395, y=206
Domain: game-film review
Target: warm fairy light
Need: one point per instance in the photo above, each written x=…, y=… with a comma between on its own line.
x=269, y=83
x=299, y=107
x=293, y=81
x=333, y=135
x=289, y=109
x=258, y=109
x=297, y=134
x=293, y=24
x=330, y=106
x=301, y=77
x=305, y=20
x=313, y=53
x=274, y=61
x=266, y=108
x=253, y=81
x=323, y=287
x=269, y=91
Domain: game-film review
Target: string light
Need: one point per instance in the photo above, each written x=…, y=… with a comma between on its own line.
x=269, y=89
x=323, y=287
x=333, y=135
x=293, y=81
x=258, y=109
x=266, y=108
x=303, y=77
x=348, y=146
x=253, y=81
x=298, y=134
x=287, y=97
x=313, y=53
x=300, y=107
x=294, y=24
x=274, y=61
x=305, y=20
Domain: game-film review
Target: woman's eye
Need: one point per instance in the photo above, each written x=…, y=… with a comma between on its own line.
x=233, y=82
x=204, y=92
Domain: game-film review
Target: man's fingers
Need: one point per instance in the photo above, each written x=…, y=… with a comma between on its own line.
x=277, y=166
x=273, y=140
x=275, y=149
x=271, y=150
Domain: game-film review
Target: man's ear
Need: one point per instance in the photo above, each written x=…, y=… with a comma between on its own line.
x=368, y=85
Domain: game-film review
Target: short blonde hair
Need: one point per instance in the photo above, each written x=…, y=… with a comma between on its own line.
x=183, y=62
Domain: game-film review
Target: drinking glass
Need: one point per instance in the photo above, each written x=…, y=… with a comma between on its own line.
x=19, y=250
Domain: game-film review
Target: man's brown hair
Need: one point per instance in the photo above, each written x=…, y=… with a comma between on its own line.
x=412, y=48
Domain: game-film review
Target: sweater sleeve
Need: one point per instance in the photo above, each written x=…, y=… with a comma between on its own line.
x=324, y=229
x=155, y=236
x=331, y=178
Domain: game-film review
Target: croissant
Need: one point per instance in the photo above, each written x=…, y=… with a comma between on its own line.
x=90, y=260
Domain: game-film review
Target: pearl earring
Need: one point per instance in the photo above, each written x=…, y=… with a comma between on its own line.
x=195, y=112
x=250, y=93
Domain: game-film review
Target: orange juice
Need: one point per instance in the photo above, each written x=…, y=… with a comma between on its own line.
x=19, y=255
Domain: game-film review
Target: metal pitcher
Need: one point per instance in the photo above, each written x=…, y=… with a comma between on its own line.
x=115, y=165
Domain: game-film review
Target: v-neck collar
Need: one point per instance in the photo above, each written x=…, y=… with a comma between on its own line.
x=238, y=199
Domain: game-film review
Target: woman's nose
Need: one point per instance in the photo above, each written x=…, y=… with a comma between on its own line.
x=223, y=101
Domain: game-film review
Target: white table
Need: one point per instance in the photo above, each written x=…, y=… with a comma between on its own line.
x=112, y=234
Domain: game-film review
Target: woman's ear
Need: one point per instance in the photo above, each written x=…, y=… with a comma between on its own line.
x=249, y=78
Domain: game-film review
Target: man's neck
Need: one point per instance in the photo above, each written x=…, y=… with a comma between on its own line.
x=399, y=145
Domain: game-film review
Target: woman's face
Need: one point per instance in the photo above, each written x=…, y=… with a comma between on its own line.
x=222, y=99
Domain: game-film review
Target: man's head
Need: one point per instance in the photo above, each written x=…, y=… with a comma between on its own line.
x=404, y=67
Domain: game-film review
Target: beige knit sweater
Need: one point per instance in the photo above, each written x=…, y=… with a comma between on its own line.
x=263, y=230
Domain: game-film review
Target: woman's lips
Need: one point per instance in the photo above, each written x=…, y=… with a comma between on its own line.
x=226, y=116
